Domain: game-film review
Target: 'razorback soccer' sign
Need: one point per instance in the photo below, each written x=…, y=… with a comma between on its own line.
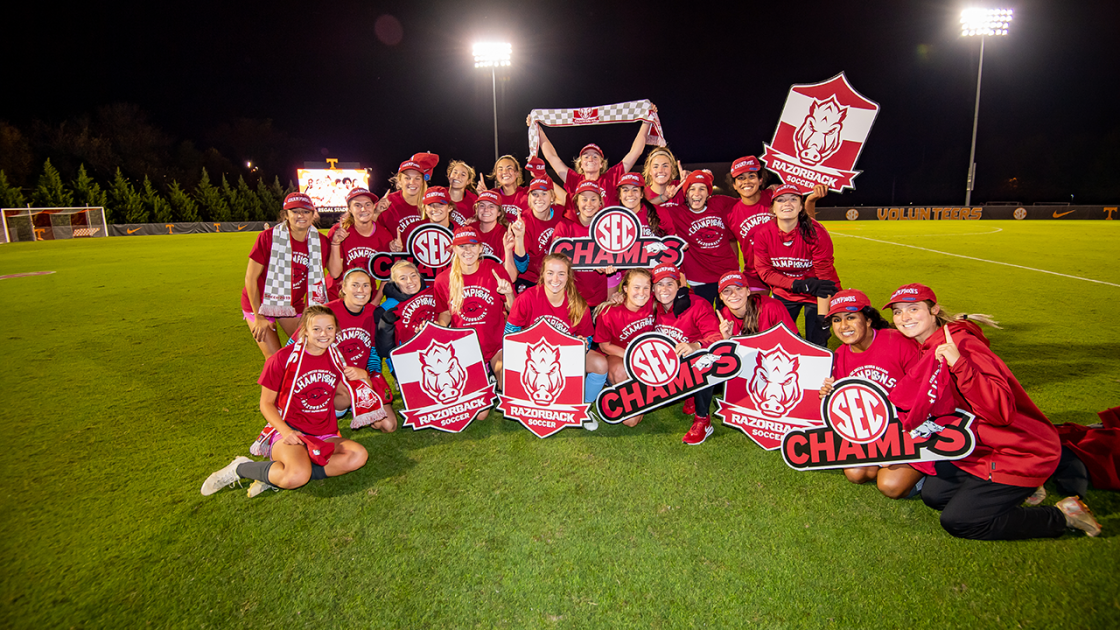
x=778, y=388
x=443, y=379
x=820, y=135
x=657, y=376
x=542, y=379
x=863, y=429
x=616, y=240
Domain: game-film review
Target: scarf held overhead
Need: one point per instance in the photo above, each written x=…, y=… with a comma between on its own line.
x=631, y=111
x=277, y=298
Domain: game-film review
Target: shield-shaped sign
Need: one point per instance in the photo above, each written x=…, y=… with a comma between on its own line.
x=820, y=135
x=657, y=376
x=862, y=428
x=443, y=379
x=778, y=388
x=542, y=379
x=616, y=240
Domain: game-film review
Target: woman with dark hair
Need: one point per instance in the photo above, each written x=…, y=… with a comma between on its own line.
x=793, y=255
x=702, y=223
x=631, y=197
x=745, y=310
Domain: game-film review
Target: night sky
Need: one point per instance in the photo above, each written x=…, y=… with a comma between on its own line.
x=374, y=82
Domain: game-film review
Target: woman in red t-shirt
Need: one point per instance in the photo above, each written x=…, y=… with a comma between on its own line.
x=356, y=238
x=533, y=231
x=618, y=324
x=591, y=166
x=513, y=196
x=662, y=177
x=460, y=178
x=745, y=310
x=702, y=223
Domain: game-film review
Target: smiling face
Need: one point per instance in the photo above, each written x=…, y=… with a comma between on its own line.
x=916, y=320
x=468, y=254
x=356, y=290
x=319, y=332
x=747, y=184
x=637, y=291
x=787, y=206
x=735, y=298
x=437, y=212
x=697, y=196
x=362, y=209
x=555, y=274
x=590, y=162
x=540, y=201
x=300, y=219
x=487, y=213
x=630, y=196
x=458, y=178
x=506, y=172
x=666, y=291
x=589, y=204
x=852, y=329
x=407, y=279
x=410, y=182
x=661, y=169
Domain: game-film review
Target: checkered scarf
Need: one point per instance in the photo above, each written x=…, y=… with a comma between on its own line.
x=632, y=111
x=277, y=298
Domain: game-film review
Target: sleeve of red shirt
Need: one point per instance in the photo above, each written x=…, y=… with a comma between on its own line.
x=722, y=204
x=262, y=249
x=603, y=331
x=584, y=328
x=571, y=182
x=518, y=314
x=980, y=379
x=273, y=373
x=440, y=292
x=763, y=266
x=823, y=266
x=708, y=324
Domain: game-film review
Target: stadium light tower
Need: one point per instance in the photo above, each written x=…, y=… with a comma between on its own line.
x=980, y=23
x=491, y=55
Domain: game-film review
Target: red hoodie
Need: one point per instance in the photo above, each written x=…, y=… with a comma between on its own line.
x=1016, y=444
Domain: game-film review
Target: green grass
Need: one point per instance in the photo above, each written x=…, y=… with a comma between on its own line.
x=130, y=377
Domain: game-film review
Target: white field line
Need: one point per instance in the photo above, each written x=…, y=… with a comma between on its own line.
x=946, y=234
x=994, y=262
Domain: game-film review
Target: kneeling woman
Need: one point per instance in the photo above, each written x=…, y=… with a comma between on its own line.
x=1017, y=447
x=872, y=350
x=616, y=325
x=690, y=322
x=357, y=327
x=298, y=387
x=746, y=310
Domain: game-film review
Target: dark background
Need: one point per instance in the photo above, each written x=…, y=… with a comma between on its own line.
x=166, y=90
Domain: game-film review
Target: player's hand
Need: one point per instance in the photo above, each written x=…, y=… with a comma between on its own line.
x=480, y=187
x=726, y=328
x=508, y=241
x=948, y=350
x=504, y=287
x=684, y=348
x=397, y=245
x=607, y=271
x=292, y=438
x=683, y=173
x=826, y=387
x=819, y=191
x=261, y=326
x=517, y=228
x=355, y=374
x=340, y=235
x=615, y=298
x=380, y=207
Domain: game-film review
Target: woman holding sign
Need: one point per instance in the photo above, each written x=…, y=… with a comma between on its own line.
x=616, y=325
x=1017, y=447
x=793, y=255
x=592, y=285
x=591, y=165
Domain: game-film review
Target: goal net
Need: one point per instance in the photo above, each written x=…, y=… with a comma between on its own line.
x=44, y=224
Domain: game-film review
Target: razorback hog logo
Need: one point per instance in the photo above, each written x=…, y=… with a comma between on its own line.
x=773, y=386
x=818, y=138
x=541, y=378
x=443, y=376
x=586, y=115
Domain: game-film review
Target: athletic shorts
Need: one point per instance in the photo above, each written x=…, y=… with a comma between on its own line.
x=248, y=315
x=276, y=437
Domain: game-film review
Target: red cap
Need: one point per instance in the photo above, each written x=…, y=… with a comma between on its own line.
x=911, y=293
x=466, y=235
x=359, y=192
x=587, y=186
x=436, y=194
x=732, y=279
x=744, y=165
x=540, y=184
x=698, y=177
x=298, y=200
x=631, y=179
x=423, y=162
x=536, y=166
x=489, y=195
x=785, y=189
x=318, y=450
x=592, y=147
x=849, y=300
x=666, y=271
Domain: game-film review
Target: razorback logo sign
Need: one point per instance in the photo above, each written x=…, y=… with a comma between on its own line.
x=657, y=376
x=862, y=428
x=428, y=247
x=443, y=379
x=778, y=388
x=585, y=115
x=616, y=240
x=820, y=135
x=542, y=379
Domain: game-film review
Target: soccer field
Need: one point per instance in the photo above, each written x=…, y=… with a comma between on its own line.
x=130, y=377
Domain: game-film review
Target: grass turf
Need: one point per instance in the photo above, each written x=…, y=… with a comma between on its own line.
x=130, y=377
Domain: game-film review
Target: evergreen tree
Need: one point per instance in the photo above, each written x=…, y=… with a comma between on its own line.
x=183, y=208
x=86, y=191
x=50, y=193
x=238, y=211
x=211, y=205
x=10, y=196
x=270, y=204
x=254, y=209
x=155, y=203
x=127, y=204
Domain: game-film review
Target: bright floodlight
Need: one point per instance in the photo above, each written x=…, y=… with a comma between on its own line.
x=985, y=22
x=491, y=54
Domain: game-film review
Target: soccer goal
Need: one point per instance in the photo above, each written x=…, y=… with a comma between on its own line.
x=44, y=224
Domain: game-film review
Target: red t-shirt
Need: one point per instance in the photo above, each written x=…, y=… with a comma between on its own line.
x=677, y=197
x=884, y=362
x=465, y=208
x=355, y=333
x=618, y=324
x=608, y=181
x=413, y=313
x=533, y=305
x=743, y=220
x=592, y=285
x=493, y=241
x=781, y=258
x=711, y=252
x=483, y=308
x=514, y=204
x=311, y=410
x=697, y=324
x=356, y=250
x=771, y=312
x=538, y=238
x=262, y=250
x=399, y=214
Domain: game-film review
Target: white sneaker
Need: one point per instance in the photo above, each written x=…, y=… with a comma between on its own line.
x=259, y=486
x=224, y=477
x=591, y=423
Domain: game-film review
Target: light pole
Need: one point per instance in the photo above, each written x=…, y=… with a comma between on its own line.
x=982, y=23
x=491, y=55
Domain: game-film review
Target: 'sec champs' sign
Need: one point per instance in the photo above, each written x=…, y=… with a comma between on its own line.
x=820, y=135
x=428, y=247
x=542, y=379
x=442, y=378
x=863, y=429
x=615, y=240
x=657, y=376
